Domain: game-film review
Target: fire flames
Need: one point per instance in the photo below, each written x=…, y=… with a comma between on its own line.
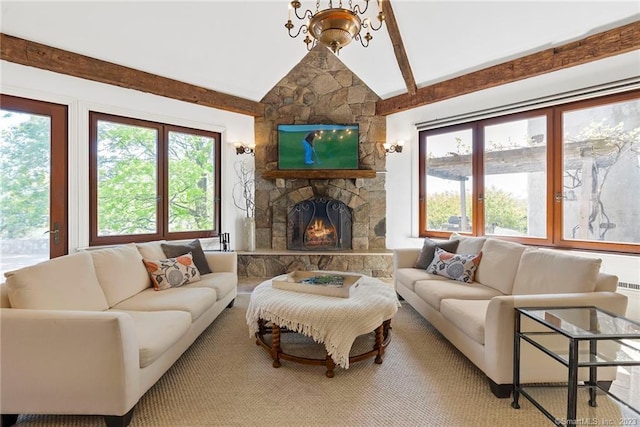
x=320, y=234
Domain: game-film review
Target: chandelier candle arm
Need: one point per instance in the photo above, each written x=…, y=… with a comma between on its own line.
x=296, y=5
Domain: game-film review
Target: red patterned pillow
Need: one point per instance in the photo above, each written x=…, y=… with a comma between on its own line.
x=172, y=272
x=460, y=267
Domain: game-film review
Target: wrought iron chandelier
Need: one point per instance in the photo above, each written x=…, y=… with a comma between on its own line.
x=334, y=27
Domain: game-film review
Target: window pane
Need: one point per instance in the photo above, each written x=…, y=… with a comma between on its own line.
x=515, y=178
x=25, y=158
x=127, y=179
x=601, y=173
x=191, y=182
x=449, y=181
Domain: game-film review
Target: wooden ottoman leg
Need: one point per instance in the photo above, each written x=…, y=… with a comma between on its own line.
x=261, y=331
x=331, y=365
x=275, y=345
x=379, y=344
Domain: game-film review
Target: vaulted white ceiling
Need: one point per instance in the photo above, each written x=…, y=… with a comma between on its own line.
x=242, y=48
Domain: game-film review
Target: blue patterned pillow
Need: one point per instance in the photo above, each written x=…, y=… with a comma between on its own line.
x=460, y=267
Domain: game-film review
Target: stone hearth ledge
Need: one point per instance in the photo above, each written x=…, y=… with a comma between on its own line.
x=273, y=262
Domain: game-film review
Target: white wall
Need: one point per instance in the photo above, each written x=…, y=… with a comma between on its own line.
x=83, y=95
x=402, y=184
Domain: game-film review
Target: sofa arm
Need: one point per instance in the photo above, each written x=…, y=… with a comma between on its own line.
x=499, y=325
x=405, y=257
x=69, y=362
x=222, y=262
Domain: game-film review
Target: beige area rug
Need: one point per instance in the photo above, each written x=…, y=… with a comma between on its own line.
x=225, y=379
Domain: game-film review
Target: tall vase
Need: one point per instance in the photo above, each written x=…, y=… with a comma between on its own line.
x=250, y=234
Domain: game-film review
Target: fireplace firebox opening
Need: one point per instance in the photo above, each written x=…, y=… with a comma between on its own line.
x=319, y=224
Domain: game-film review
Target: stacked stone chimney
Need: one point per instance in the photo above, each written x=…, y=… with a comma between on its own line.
x=321, y=89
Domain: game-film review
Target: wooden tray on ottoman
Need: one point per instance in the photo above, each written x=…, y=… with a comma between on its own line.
x=302, y=281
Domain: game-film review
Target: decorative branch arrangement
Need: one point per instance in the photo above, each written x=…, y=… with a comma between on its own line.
x=244, y=190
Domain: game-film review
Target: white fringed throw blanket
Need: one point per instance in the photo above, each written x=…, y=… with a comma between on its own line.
x=335, y=322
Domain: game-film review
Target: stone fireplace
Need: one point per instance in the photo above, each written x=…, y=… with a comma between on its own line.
x=320, y=89
x=319, y=224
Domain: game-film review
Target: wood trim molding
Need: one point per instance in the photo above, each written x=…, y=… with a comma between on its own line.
x=32, y=54
x=398, y=47
x=613, y=42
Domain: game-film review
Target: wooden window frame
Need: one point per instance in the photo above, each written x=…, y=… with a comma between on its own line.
x=162, y=182
x=480, y=224
x=59, y=191
x=422, y=168
x=555, y=159
x=559, y=240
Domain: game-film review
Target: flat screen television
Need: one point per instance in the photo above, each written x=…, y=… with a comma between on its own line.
x=318, y=146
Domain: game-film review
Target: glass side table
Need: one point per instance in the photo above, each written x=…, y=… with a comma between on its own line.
x=589, y=326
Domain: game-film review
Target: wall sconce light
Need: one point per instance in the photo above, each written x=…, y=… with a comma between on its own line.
x=395, y=147
x=242, y=148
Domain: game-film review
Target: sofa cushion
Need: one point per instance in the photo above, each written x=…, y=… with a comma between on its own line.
x=434, y=291
x=120, y=272
x=172, y=251
x=65, y=283
x=172, y=272
x=500, y=260
x=409, y=276
x=468, y=244
x=192, y=300
x=158, y=331
x=429, y=249
x=466, y=315
x=543, y=271
x=151, y=250
x=222, y=283
x=460, y=267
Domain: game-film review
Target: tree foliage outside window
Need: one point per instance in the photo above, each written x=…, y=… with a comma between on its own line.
x=191, y=192
x=24, y=175
x=505, y=210
x=501, y=208
x=153, y=181
x=127, y=178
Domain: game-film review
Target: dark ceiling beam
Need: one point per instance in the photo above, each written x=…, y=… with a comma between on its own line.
x=398, y=47
x=609, y=43
x=25, y=52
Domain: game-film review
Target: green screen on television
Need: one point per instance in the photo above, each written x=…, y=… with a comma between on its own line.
x=318, y=146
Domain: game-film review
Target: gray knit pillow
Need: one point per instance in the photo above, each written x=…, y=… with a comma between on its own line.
x=172, y=251
x=429, y=250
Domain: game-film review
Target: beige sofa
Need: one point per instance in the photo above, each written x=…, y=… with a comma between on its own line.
x=86, y=333
x=478, y=317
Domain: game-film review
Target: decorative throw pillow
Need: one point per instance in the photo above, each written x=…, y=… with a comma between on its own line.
x=172, y=272
x=429, y=250
x=468, y=244
x=172, y=251
x=460, y=267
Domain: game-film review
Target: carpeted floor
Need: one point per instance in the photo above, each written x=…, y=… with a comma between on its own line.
x=224, y=379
